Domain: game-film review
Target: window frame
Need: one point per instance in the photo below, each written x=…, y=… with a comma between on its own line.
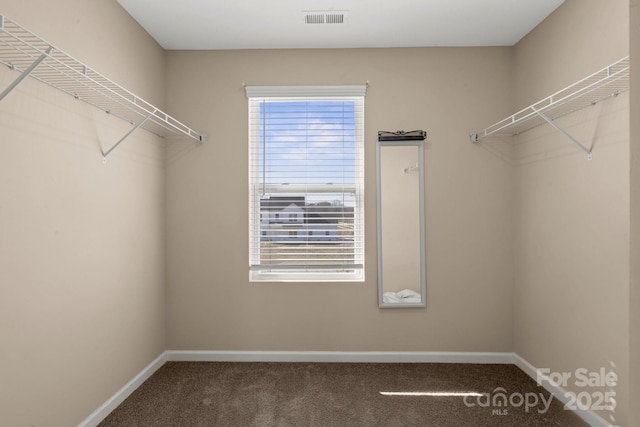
x=291, y=273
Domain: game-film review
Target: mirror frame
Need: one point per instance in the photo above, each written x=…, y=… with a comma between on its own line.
x=421, y=185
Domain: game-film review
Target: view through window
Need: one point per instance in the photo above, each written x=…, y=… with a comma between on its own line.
x=306, y=182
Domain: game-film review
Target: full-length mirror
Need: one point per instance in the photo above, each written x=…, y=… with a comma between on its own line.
x=401, y=229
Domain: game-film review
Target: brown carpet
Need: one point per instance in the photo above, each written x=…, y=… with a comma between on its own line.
x=337, y=394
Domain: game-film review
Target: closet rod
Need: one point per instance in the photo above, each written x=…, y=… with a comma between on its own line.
x=31, y=56
x=604, y=84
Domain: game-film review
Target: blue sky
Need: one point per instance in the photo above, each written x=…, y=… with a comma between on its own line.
x=309, y=142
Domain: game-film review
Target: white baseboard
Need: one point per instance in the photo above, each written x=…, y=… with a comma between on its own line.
x=99, y=414
x=112, y=403
x=592, y=418
x=288, y=356
x=339, y=356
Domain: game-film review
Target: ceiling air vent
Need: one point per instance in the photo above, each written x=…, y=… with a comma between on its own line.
x=325, y=17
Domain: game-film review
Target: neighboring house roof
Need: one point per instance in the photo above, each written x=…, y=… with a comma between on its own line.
x=313, y=214
x=328, y=214
x=279, y=203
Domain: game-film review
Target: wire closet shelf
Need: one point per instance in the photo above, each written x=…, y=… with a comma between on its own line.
x=604, y=84
x=31, y=56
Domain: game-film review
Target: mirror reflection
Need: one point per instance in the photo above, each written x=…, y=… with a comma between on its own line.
x=401, y=237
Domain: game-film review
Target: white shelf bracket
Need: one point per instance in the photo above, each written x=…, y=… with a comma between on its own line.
x=133, y=129
x=564, y=132
x=602, y=85
x=26, y=73
x=34, y=57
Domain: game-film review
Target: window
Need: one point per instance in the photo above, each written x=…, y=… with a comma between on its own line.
x=306, y=149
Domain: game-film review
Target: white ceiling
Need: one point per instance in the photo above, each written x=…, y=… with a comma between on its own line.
x=261, y=24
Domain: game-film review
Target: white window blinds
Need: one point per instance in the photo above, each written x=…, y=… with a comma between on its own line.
x=306, y=183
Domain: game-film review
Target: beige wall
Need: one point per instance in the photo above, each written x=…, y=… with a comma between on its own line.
x=572, y=215
x=448, y=92
x=634, y=334
x=81, y=243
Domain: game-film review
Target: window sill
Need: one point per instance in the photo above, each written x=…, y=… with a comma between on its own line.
x=257, y=276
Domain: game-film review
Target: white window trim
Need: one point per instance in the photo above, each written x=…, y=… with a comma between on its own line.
x=304, y=91
x=357, y=273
